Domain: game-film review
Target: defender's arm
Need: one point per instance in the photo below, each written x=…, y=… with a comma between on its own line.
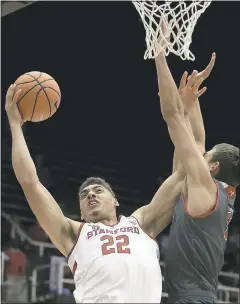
x=198, y=175
x=190, y=100
x=192, y=114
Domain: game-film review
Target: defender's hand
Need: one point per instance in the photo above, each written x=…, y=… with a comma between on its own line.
x=187, y=85
x=164, y=38
x=189, y=89
x=11, y=108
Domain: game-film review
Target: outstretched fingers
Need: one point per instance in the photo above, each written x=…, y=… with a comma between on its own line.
x=15, y=98
x=199, y=93
x=10, y=94
x=192, y=79
x=210, y=66
x=198, y=84
x=183, y=81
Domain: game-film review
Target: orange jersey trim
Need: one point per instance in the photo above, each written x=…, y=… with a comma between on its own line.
x=144, y=230
x=79, y=231
x=74, y=268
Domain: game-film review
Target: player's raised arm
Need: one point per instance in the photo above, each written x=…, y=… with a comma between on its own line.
x=60, y=229
x=192, y=112
x=190, y=97
x=155, y=216
x=195, y=166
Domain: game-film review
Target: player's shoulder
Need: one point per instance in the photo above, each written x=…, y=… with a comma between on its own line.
x=226, y=191
x=130, y=219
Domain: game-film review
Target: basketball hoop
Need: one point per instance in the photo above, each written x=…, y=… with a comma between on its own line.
x=180, y=17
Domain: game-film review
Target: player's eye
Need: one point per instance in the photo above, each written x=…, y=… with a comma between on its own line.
x=99, y=190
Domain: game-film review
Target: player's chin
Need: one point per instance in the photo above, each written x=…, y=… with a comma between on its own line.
x=95, y=213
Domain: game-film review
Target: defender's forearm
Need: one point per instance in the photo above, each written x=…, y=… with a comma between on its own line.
x=22, y=162
x=171, y=103
x=197, y=125
x=176, y=162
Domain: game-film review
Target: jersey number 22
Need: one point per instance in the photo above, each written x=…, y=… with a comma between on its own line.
x=116, y=244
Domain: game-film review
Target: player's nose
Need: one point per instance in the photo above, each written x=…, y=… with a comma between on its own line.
x=91, y=195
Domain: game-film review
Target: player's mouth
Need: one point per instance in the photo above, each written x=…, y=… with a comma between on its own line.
x=93, y=203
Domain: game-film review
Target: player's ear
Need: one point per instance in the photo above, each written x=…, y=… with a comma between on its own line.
x=116, y=202
x=82, y=217
x=214, y=168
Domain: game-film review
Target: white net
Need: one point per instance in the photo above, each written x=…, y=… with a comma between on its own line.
x=180, y=17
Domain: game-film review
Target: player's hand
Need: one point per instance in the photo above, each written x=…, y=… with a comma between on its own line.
x=189, y=89
x=164, y=38
x=11, y=108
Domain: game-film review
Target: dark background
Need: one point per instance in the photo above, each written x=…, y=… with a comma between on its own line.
x=110, y=107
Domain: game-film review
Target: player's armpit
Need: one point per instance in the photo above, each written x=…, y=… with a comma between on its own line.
x=155, y=216
x=50, y=216
x=198, y=201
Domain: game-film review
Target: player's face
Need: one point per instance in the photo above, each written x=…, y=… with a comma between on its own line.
x=97, y=203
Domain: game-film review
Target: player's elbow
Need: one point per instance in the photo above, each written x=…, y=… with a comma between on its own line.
x=28, y=183
x=25, y=175
x=170, y=103
x=173, y=119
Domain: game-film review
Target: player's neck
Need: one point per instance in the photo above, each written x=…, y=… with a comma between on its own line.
x=112, y=221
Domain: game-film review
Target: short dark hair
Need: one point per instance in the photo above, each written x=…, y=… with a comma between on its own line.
x=228, y=158
x=96, y=181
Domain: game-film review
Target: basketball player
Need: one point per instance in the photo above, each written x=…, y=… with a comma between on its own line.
x=117, y=246
x=113, y=260
x=199, y=229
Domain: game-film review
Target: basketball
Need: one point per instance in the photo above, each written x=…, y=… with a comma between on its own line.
x=39, y=98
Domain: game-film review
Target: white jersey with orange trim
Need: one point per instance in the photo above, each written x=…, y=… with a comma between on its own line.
x=118, y=264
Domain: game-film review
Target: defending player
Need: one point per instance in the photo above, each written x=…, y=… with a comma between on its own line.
x=113, y=260
x=199, y=229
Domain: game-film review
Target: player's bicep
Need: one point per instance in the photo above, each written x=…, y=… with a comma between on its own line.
x=187, y=151
x=49, y=215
